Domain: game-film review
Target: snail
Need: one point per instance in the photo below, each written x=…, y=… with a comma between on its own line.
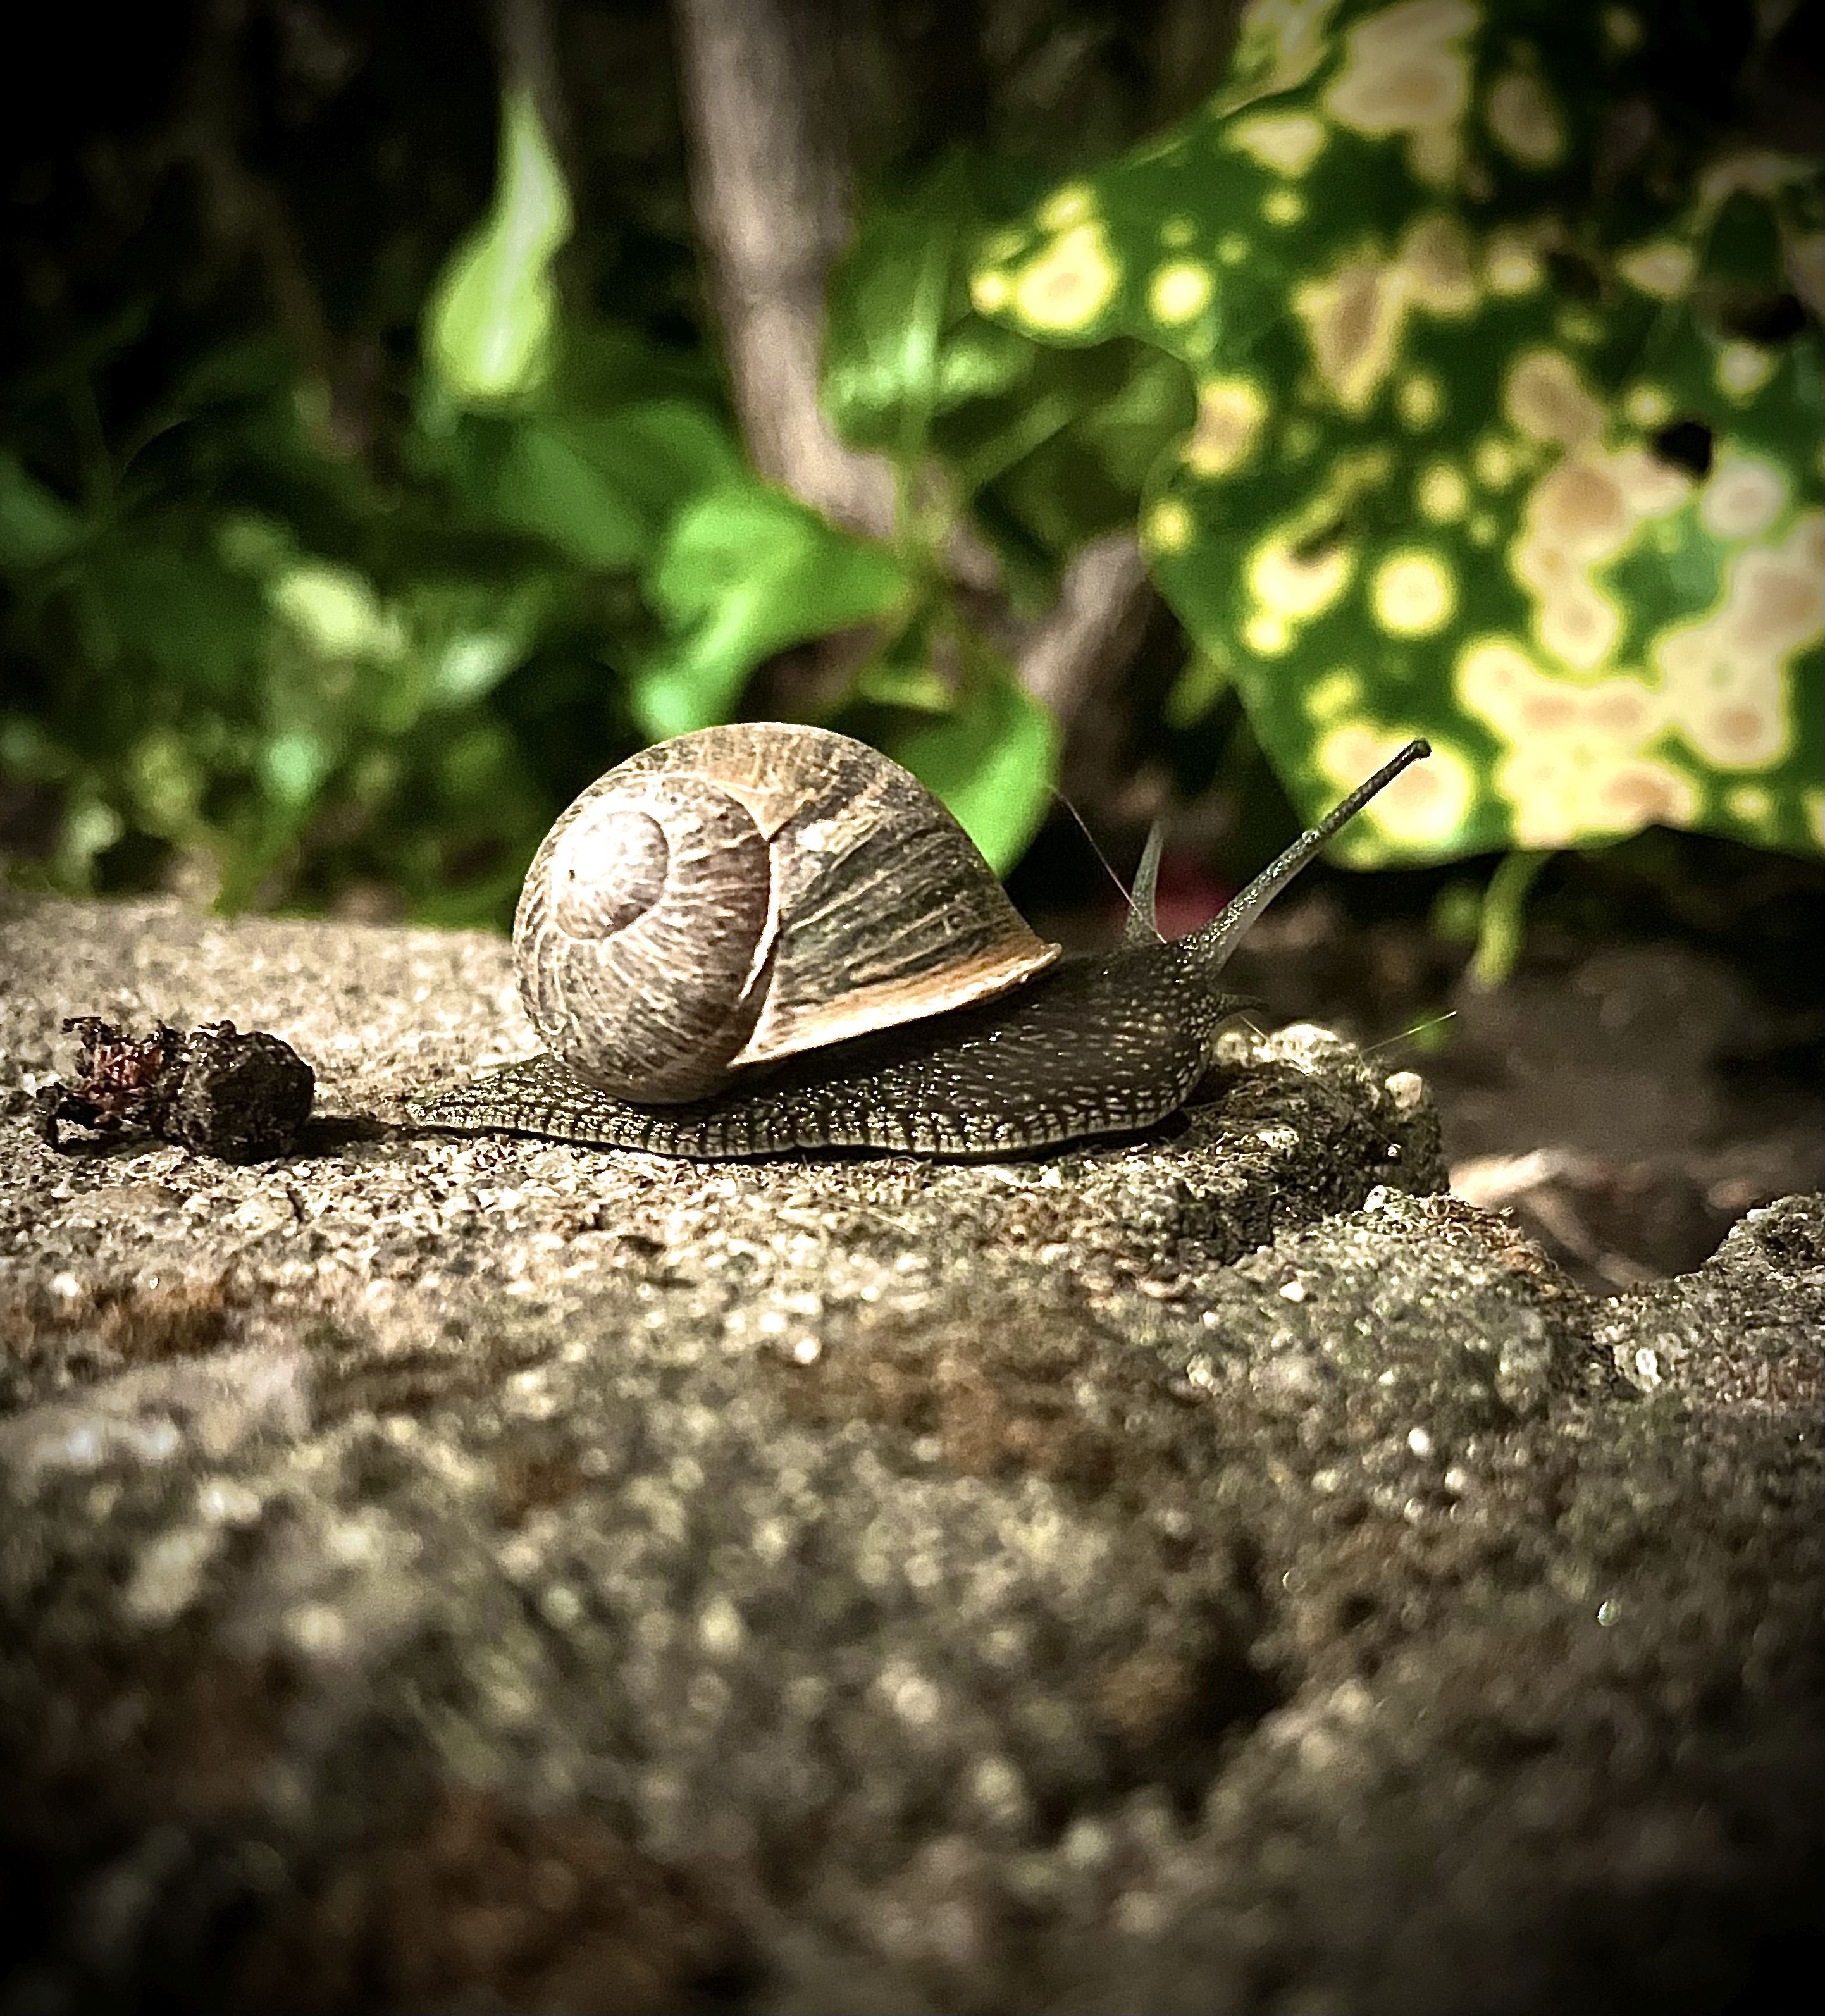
x=762, y=938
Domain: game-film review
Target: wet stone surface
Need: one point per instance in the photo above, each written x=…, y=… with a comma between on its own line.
x=1214, y=1573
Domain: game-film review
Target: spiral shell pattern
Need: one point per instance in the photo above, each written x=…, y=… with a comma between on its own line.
x=747, y=892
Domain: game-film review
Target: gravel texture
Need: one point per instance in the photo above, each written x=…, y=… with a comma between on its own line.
x=1216, y=1573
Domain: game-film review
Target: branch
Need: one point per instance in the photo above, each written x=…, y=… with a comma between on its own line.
x=1091, y=631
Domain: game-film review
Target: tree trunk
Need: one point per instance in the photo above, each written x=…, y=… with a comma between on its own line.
x=770, y=186
x=771, y=189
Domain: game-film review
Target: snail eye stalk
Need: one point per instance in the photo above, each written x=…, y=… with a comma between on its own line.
x=1219, y=938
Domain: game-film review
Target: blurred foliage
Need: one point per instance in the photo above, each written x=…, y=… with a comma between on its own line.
x=1041, y=449
x=282, y=661
x=1504, y=437
x=1035, y=451
x=281, y=642
x=342, y=590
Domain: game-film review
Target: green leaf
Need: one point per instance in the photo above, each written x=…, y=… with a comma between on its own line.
x=1145, y=414
x=1548, y=493
x=199, y=622
x=1063, y=458
x=1051, y=449
x=546, y=483
x=994, y=762
x=29, y=751
x=168, y=780
x=890, y=299
x=491, y=323
x=293, y=766
x=1201, y=684
x=90, y=826
x=470, y=634
x=252, y=544
x=36, y=526
x=230, y=373
x=745, y=571
x=1502, y=927
x=601, y=488
x=602, y=366
x=902, y=674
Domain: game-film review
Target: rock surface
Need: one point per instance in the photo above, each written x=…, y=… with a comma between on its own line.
x=1214, y=1573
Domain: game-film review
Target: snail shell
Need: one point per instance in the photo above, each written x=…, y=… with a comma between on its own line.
x=744, y=893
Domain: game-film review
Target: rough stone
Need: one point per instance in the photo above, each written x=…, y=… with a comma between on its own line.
x=1217, y=1572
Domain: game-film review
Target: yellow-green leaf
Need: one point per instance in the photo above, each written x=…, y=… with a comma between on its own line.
x=492, y=322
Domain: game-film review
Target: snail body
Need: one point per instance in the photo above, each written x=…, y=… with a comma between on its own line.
x=854, y=976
